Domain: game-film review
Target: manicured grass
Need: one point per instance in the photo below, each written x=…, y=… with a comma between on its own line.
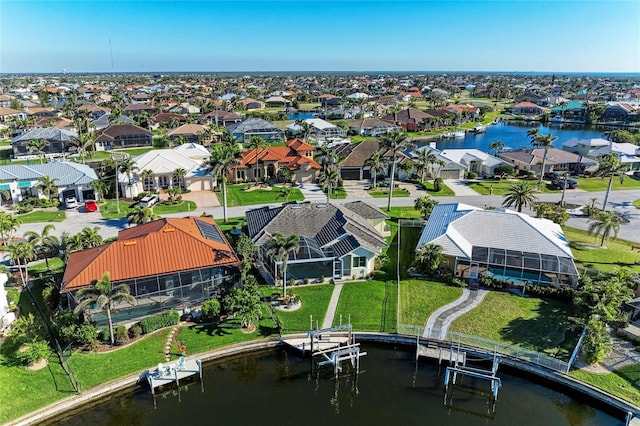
x=619, y=383
x=42, y=216
x=308, y=106
x=409, y=237
x=536, y=324
x=238, y=222
x=616, y=253
x=370, y=305
x=599, y=184
x=184, y=206
x=419, y=299
x=236, y=196
x=402, y=213
x=445, y=191
x=337, y=194
x=315, y=299
x=381, y=193
x=636, y=203
x=109, y=211
x=499, y=187
x=55, y=264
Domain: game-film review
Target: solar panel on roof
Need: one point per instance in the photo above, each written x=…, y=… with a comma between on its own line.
x=209, y=231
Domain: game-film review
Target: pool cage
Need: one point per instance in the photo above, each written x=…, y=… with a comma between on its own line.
x=309, y=261
x=517, y=266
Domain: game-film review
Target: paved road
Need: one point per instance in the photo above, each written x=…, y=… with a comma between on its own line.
x=618, y=200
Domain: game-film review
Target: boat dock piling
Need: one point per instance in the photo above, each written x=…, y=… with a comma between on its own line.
x=173, y=372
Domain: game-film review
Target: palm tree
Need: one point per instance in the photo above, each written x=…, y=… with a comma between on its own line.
x=377, y=163
x=223, y=157
x=305, y=128
x=99, y=188
x=533, y=134
x=543, y=141
x=140, y=215
x=279, y=247
x=21, y=254
x=127, y=167
x=105, y=296
x=605, y=223
x=38, y=146
x=8, y=225
x=521, y=194
x=147, y=180
x=44, y=243
x=81, y=144
x=178, y=177
x=425, y=160
x=394, y=142
x=256, y=143
x=48, y=186
x=610, y=166
x=497, y=146
x=428, y=258
x=425, y=206
x=284, y=192
x=329, y=179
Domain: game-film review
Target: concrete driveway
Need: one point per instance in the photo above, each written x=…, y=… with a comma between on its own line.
x=203, y=199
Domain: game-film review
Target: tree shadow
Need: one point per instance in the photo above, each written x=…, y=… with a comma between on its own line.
x=214, y=329
x=61, y=380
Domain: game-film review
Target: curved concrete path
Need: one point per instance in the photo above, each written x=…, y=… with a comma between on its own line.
x=440, y=320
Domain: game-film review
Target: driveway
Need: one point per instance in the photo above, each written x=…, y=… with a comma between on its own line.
x=460, y=187
x=203, y=199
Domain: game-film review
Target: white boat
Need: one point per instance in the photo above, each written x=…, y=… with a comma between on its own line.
x=458, y=134
x=479, y=129
x=447, y=135
x=557, y=119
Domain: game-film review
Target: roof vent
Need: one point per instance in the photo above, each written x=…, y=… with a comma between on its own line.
x=130, y=243
x=168, y=229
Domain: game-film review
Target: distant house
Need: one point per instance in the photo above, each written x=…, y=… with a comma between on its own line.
x=222, y=118
x=411, y=119
x=71, y=179
x=253, y=126
x=168, y=118
x=122, y=136
x=502, y=244
x=527, y=108
x=277, y=101
x=59, y=122
x=252, y=104
x=194, y=133
x=473, y=160
x=8, y=114
x=338, y=242
x=171, y=263
x=104, y=121
x=5, y=101
x=58, y=141
x=321, y=130
x=526, y=160
x=94, y=111
x=138, y=108
x=356, y=155
x=371, y=127
x=571, y=110
x=296, y=156
x=622, y=112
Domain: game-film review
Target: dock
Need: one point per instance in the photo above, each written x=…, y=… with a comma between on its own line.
x=173, y=372
x=321, y=339
x=439, y=353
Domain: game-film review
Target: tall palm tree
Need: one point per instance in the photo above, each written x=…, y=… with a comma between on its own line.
x=99, y=188
x=521, y=194
x=329, y=179
x=141, y=215
x=44, y=244
x=147, y=176
x=497, y=146
x=48, y=185
x=82, y=143
x=223, y=157
x=105, y=296
x=279, y=247
x=305, y=128
x=37, y=146
x=543, y=141
x=605, y=223
x=8, y=225
x=256, y=143
x=178, y=177
x=21, y=254
x=127, y=167
x=393, y=142
x=377, y=163
x=610, y=166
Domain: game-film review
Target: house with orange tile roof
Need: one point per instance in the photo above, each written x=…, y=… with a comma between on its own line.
x=171, y=263
x=296, y=156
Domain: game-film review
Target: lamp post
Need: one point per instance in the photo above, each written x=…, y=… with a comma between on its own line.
x=118, y=156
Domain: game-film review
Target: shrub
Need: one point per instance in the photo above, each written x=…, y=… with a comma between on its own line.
x=437, y=184
x=12, y=296
x=306, y=281
x=120, y=335
x=211, y=308
x=156, y=322
x=457, y=282
x=34, y=352
x=503, y=170
x=135, y=331
x=472, y=175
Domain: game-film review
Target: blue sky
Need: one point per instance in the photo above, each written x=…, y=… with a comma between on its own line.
x=498, y=35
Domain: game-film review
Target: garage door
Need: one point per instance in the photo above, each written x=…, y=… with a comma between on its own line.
x=450, y=174
x=350, y=174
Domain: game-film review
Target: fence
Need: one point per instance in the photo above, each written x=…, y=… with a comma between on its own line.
x=491, y=346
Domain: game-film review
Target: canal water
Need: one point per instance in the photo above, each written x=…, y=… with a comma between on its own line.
x=514, y=136
x=281, y=388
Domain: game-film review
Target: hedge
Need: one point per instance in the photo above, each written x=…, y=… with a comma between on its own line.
x=156, y=322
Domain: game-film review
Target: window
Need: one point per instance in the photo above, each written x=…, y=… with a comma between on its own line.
x=359, y=261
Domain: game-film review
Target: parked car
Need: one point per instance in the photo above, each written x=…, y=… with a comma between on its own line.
x=71, y=202
x=571, y=183
x=90, y=206
x=149, y=200
x=636, y=175
x=552, y=176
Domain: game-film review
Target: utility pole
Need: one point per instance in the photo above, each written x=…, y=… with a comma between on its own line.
x=115, y=156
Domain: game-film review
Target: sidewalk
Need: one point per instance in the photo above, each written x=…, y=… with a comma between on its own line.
x=333, y=305
x=440, y=320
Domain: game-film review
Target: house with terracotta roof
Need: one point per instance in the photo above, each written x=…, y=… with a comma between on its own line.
x=189, y=133
x=411, y=119
x=336, y=241
x=222, y=118
x=122, y=136
x=170, y=263
x=296, y=156
x=527, y=108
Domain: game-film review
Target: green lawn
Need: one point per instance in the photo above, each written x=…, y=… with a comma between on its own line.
x=445, y=191
x=402, y=213
x=619, y=383
x=636, y=203
x=419, y=299
x=184, y=206
x=109, y=211
x=371, y=305
x=43, y=216
x=536, y=324
x=337, y=194
x=499, y=187
x=238, y=222
x=315, y=299
x=409, y=237
x=599, y=184
x=237, y=196
x=615, y=253
x=55, y=264
x=382, y=193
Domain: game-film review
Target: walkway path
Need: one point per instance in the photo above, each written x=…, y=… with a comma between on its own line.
x=333, y=305
x=167, y=343
x=440, y=320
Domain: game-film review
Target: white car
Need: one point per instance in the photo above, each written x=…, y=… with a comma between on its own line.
x=71, y=202
x=148, y=201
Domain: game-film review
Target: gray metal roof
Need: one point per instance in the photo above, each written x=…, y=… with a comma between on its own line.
x=254, y=125
x=48, y=133
x=66, y=173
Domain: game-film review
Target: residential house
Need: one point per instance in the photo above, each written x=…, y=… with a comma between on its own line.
x=527, y=108
x=105, y=120
x=122, y=136
x=354, y=166
x=59, y=122
x=254, y=126
x=169, y=119
x=371, y=127
x=71, y=179
x=278, y=101
x=473, y=160
x=194, y=133
x=58, y=141
x=222, y=118
x=170, y=263
x=571, y=110
x=94, y=111
x=447, y=169
x=138, y=108
x=9, y=114
x=5, y=101
x=622, y=112
x=627, y=153
x=296, y=156
x=500, y=243
x=336, y=241
x=584, y=146
x=321, y=130
x=411, y=119
x=527, y=159
x=251, y=104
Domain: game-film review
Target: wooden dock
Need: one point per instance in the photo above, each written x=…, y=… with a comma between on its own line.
x=173, y=372
x=453, y=356
x=303, y=344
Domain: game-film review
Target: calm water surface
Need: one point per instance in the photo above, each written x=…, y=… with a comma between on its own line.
x=280, y=388
x=515, y=136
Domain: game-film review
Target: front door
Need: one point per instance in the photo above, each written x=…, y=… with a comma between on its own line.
x=337, y=268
